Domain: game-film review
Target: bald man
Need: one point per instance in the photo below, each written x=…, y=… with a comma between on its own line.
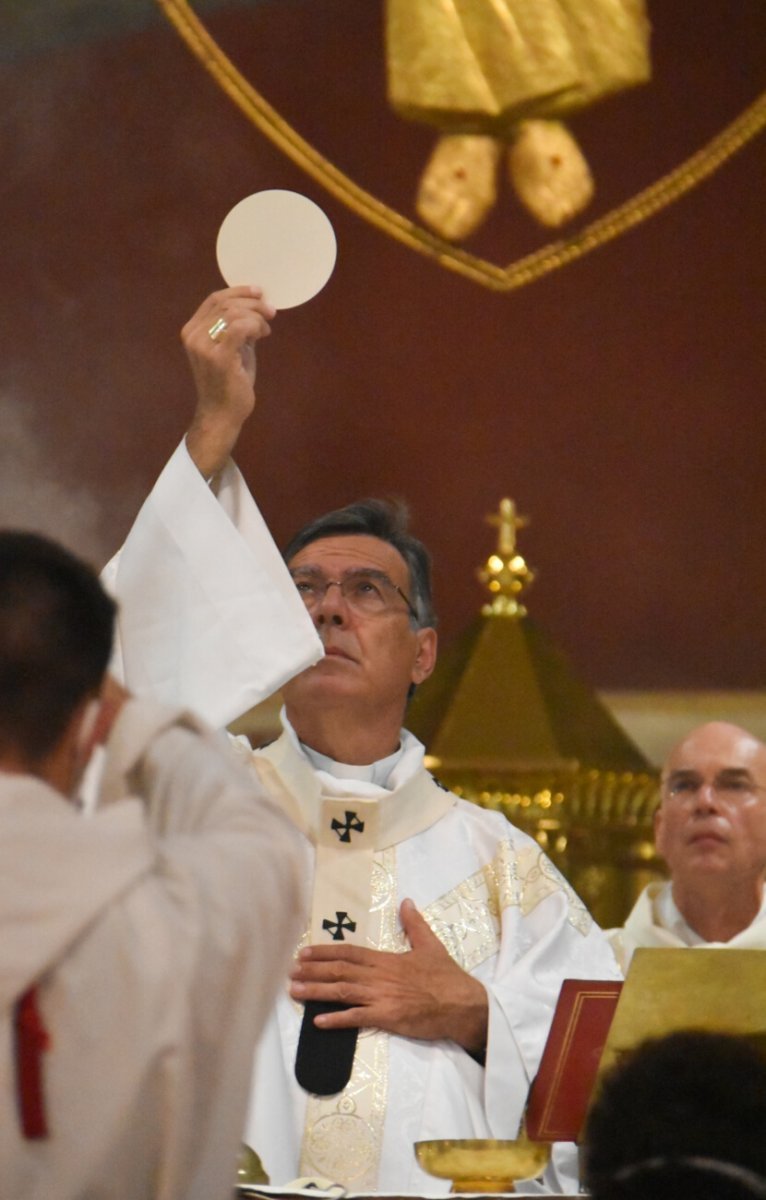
x=710, y=828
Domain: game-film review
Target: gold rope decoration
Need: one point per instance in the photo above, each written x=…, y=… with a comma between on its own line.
x=663, y=192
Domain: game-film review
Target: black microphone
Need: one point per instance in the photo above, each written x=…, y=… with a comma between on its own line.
x=324, y=1057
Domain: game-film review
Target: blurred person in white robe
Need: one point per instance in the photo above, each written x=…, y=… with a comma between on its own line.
x=710, y=828
x=436, y=929
x=142, y=942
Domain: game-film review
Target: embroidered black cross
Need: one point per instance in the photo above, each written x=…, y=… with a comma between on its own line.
x=337, y=927
x=352, y=825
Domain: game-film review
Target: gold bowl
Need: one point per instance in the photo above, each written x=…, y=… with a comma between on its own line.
x=483, y=1165
x=249, y=1167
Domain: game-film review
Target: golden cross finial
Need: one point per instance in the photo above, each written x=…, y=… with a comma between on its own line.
x=506, y=573
x=508, y=521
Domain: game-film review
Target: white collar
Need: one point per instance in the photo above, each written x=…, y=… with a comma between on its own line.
x=672, y=919
x=411, y=803
x=380, y=775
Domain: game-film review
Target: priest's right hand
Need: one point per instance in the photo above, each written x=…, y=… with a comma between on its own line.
x=422, y=993
x=219, y=341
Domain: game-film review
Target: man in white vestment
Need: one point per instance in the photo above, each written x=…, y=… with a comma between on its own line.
x=710, y=828
x=436, y=928
x=141, y=943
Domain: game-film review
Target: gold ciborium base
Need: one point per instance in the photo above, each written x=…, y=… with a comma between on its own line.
x=249, y=1167
x=484, y=1185
x=483, y=1165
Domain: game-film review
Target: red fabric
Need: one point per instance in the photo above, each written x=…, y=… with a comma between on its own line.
x=32, y=1040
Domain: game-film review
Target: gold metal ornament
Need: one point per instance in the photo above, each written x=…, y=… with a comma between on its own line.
x=663, y=192
x=217, y=328
x=483, y=1165
x=506, y=573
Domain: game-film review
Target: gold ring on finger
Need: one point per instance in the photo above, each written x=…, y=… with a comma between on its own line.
x=215, y=331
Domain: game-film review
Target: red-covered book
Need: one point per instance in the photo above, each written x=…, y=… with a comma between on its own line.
x=561, y=1091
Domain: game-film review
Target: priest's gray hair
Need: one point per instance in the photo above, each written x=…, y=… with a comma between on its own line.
x=384, y=519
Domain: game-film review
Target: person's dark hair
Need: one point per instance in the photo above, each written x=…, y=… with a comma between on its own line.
x=56, y=626
x=683, y=1179
x=688, y=1106
x=384, y=519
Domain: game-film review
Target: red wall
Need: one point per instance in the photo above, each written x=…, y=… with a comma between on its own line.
x=619, y=400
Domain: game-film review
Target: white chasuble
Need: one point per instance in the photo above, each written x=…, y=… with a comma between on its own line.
x=654, y=921
x=210, y=619
x=502, y=911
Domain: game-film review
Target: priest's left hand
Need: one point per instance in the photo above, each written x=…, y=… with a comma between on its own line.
x=422, y=993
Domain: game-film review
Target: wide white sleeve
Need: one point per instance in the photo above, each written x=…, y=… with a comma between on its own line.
x=208, y=616
x=526, y=985
x=558, y=941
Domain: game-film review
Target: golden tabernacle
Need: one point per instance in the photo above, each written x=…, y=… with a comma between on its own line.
x=508, y=724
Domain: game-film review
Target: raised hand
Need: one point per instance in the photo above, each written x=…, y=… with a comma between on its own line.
x=220, y=344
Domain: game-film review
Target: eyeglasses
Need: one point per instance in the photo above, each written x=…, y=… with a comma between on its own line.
x=366, y=591
x=730, y=786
